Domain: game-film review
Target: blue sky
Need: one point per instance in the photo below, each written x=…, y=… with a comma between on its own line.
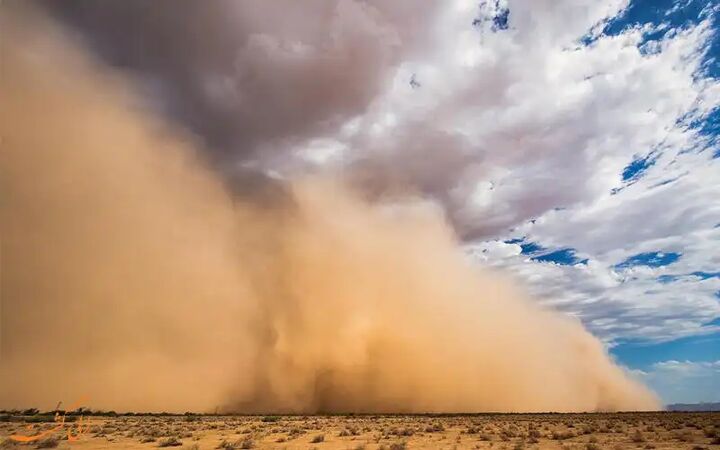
x=627, y=262
x=696, y=350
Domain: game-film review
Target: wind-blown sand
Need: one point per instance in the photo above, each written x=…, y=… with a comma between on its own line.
x=134, y=277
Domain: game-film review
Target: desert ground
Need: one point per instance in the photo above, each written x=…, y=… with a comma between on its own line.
x=661, y=430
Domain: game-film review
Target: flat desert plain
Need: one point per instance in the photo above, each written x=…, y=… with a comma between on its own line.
x=661, y=430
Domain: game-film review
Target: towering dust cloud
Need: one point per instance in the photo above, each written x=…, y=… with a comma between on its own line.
x=133, y=278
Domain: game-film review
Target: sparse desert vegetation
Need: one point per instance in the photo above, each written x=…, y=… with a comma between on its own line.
x=600, y=431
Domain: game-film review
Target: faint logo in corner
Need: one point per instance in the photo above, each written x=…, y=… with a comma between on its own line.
x=76, y=429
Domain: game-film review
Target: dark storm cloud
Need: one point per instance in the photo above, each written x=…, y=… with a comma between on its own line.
x=255, y=80
x=245, y=73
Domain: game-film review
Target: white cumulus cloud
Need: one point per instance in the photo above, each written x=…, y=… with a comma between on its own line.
x=684, y=381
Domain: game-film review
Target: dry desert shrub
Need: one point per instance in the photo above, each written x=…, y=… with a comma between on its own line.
x=637, y=437
x=684, y=436
x=7, y=444
x=436, y=427
x=350, y=430
x=562, y=435
x=171, y=441
x=246, y=443
x=241, y=443
x=48, y=442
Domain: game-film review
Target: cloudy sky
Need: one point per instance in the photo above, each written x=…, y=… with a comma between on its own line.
x=571, y=143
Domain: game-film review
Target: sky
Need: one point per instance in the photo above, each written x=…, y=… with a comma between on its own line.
x=570, y=143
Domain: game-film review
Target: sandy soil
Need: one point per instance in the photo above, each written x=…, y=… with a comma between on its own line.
x=507, y=431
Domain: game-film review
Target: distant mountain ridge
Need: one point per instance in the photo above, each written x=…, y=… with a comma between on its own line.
x=694, y=407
